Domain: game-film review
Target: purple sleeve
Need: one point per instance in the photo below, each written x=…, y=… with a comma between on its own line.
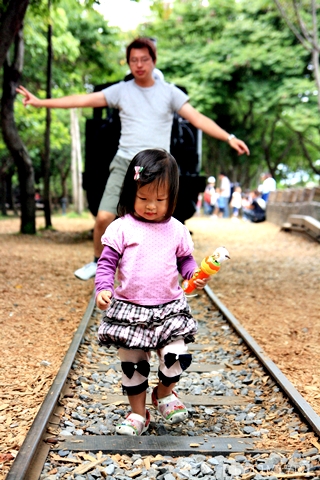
x=106, y=270
x=187, y=266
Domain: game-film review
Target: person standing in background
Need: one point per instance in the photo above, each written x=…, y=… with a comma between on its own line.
x=236, y=201
x=225, y=193
x=268, y=185
x=219, y=206
x=207, y=196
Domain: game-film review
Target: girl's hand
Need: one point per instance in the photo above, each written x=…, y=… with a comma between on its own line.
x=103, y=299
x=200, y=283
x=29, y=98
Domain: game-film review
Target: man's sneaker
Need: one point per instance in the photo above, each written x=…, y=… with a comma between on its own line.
x=134, y=424
x=170, y=408
x=86, y=272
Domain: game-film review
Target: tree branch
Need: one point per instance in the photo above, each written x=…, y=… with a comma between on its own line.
x=307, y=155
x=312, y=36
x=10, y=23
x=293, y=29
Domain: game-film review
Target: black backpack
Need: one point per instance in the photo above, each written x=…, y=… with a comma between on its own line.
x=101, y=145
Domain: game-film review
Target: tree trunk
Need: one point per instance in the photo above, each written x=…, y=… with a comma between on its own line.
x=74, y=177
x=10, y=23
x=4, y=176
x=10, y=193
x=64, y=177
x=307, y=36
x=76, y=163
x=11, y=79
x=79, y=167
x=316, y=71
x=3, y=192
x=46, y=158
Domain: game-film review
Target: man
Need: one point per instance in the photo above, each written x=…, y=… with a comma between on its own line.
x=225, y=194
x=268, y=185
x=146, y=107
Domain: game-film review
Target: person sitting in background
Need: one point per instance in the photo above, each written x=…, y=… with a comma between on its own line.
x=256, y=212
x=207, y=196
x=246, y=200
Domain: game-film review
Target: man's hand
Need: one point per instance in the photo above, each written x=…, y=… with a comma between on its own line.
x=29, y=99
x=239, y=145
x=103, y=299
x=208, y=126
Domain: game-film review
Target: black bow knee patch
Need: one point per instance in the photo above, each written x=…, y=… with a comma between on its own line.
x=129, y=368
x=184, y=359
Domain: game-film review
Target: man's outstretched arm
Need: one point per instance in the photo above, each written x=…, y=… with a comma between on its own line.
x=96, y=99
x=211, y=128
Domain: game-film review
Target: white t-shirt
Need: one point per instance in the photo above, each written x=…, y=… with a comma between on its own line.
x=269, y=185
x=225, y=187
x=146, y=114
x=236, y=200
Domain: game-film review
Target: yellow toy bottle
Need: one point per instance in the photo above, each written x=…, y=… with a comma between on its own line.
x=209, y=266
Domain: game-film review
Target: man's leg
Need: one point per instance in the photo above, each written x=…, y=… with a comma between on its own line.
x=226, y=212
x=106, y=214
x=109, y=201
x=248, y=214
x=103, y=220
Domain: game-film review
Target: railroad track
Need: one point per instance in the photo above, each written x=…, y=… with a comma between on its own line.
x=242, y=411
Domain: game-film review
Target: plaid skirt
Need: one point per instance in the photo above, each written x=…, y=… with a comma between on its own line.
x=147, y=328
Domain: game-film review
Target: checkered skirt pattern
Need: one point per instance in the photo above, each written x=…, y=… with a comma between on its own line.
x=147, y=328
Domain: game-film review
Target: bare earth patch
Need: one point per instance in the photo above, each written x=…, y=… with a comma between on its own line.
x=271, y=285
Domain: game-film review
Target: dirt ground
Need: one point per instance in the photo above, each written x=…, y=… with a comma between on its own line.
x=271, y=285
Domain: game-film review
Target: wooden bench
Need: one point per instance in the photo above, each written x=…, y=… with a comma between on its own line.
x=315, y=197
x=303, y=223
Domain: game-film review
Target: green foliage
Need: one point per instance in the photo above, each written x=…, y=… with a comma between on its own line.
x=85, y=48
x=239, y=61
x=85, y=53
x=77, y=215
x=243, y=68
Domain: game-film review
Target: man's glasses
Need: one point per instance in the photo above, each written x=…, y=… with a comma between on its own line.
x=135, y=60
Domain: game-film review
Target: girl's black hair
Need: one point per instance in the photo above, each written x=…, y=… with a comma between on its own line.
x=157, y=165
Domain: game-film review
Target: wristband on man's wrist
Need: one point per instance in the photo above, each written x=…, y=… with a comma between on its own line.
x=231, y=136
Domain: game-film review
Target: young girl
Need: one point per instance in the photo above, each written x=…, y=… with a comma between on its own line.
x=236, y=201
x=148, y=310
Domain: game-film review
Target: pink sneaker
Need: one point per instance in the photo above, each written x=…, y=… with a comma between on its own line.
x=170, y=408
x=134, y=424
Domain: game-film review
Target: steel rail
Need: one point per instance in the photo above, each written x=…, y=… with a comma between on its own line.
x=28, y=450
x=302, y=405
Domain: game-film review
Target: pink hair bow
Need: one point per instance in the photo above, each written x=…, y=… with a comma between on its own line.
x=137, y=170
